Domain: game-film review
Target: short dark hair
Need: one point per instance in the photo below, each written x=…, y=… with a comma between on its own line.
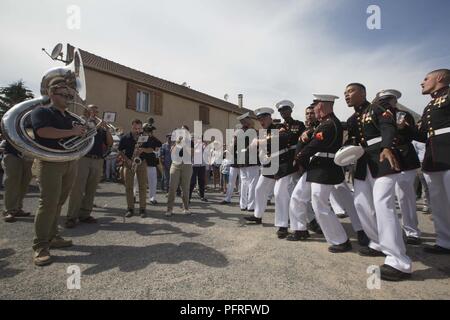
x=359, y=85
x=136, y=121
x=309, y=107
x=445, y=73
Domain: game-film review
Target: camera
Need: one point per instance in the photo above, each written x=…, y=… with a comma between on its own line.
x=148, y=126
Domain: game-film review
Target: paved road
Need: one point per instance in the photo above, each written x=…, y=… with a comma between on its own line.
x=210, y=255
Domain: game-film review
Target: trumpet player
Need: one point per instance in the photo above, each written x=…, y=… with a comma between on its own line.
x=131, y=150
x=51, y=124
x=90, y=170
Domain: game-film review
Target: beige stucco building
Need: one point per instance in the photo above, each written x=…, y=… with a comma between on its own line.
x=133, y=94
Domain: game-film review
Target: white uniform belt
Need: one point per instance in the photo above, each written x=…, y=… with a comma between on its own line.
x=282, y=151
x=325, y=155
x=373, y=141
x=439, y=132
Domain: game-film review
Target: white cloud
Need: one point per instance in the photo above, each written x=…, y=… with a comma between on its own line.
x=263, y=49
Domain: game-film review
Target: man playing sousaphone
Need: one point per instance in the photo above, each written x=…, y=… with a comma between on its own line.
x=90, y=170
x=51, y=124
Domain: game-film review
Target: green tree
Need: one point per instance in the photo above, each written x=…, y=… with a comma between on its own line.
x=13, y=94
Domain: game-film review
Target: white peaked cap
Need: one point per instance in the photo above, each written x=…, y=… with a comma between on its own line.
x=262, y=111
x=325, y=97
x=242, y=117
x=284, y=103
x=389, y=93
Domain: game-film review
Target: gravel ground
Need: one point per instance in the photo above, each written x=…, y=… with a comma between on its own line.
x=212, y=254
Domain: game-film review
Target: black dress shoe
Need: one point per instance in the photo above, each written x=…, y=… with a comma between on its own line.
x=204, y=199
x=339, y=248
x=363, y=239
x=389, y=273
x=153, y=202
x=314, y=227
x=224, y=202
x=253, y=219
x=436, y=249
x=341, y=215
x=369, y=252
x=244, y=209
x=298, y=236
x=282, y=233
x=251, y=210
x=130, y=213
x=414, y=241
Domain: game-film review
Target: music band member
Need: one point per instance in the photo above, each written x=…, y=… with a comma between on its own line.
x=17, y=179
x=319, y=176
x=131, y=150
x=248, y=171
x=377, y=171
x=50, y=125
x=435, y=131
x=152, y=162
x=90, y=171
x=282, y=180
x=181, y=169
x=409, y=162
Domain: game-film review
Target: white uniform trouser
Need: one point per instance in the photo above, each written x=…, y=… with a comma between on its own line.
x=375, y=204
x=300, y=209
x=152, y=177
x=263, y=188
x=341, y=200
x=439, y=188
x=406, y=196
x=234, y=172
x=249, y=179
x=319, y=194
x=336, y=204
x=299, y=205
x=331, y=227
x=282, y=192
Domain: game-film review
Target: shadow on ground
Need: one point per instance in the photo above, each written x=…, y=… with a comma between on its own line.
x=131, y=259
x=5, y=271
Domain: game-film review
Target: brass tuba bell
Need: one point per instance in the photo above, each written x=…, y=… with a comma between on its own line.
x=15, y=123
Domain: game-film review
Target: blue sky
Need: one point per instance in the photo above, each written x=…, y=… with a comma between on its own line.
x=268, y=50
x=403, y=21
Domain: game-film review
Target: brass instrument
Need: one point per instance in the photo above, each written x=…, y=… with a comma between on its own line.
x=135, y=160
x=15, y=121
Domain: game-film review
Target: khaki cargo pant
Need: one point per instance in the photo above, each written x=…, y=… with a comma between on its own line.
x=141, y=174
x=56, y=180
x=88, y=177
x=17, y=179
x=180, y=174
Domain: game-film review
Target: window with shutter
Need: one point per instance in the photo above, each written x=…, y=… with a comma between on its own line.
x=204, y=114
x=143, y=101
x=157, y=103
x=131, y=96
